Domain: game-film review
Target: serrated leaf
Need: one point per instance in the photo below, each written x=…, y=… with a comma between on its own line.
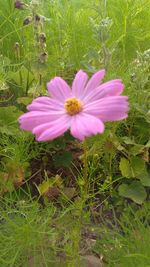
x=125, y=168
x=135, y=191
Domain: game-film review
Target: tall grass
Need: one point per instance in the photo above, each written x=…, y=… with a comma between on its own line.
x=70, y=34
x=127, y=242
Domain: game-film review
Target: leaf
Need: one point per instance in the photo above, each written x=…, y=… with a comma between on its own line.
x=125, y=168
x=141, y=127
x=57, y=181
x=64, y=159
x=134, y=191
x=127, y=140
x=44, y=187
x=49, y=184
x=145, y=178
x=138, y=166
x=140, y=170
x=136, y=149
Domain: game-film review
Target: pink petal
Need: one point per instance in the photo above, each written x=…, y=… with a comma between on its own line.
x=46, y=104
x=31, y=119
x=94, y=82
x=59, y=89
x=79, y=83
x=84, y=125
x=53, y=129
x=42, y=100
x=109, y=108
x=111, y=88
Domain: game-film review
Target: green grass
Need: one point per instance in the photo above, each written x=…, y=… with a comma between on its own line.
x=127, y=242
x=31, y=234
x=71, y=40
x=26, y=235
x=41, y=237
x=86, y=35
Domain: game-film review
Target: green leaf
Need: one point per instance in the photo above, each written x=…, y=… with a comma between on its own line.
x=127, y=140
x=63, y=159
x=43, y=188
x=136, y=149
x=145, y=178
x=138, y=166
x=53, y=182
x=125, y=168
x=134, y=191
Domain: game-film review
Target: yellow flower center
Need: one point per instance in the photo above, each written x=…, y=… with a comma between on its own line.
x=73, y=106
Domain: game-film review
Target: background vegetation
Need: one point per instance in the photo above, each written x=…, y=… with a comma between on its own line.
x=46, y=217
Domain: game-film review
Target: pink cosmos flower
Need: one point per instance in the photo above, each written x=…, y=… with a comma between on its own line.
x=83, y=110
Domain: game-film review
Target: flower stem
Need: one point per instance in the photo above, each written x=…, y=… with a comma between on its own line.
x=85, y=166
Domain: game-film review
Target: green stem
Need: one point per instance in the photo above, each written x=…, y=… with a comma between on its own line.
x=85, y=167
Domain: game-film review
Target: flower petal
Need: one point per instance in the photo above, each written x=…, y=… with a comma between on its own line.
x=94, y=82
x=51, y=130
x=84, y=125
x=111, y=88
x=59, y=89
x=45, y=104
x=109, y=109
x=79, y=83
x=31, y=119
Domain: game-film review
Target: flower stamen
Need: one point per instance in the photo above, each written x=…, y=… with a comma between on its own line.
x=73, y=106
